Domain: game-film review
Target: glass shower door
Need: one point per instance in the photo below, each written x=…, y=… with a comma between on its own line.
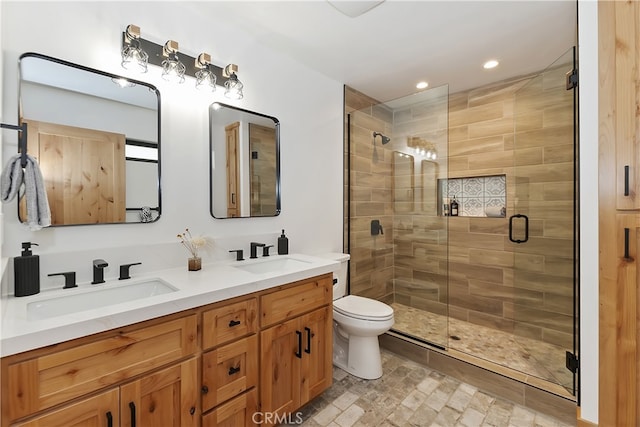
x=542, y=223
x=397, y=238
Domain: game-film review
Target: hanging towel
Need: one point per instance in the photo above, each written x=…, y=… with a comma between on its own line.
x=38, y=212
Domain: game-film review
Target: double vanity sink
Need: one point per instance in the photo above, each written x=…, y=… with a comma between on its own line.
x=62, y=314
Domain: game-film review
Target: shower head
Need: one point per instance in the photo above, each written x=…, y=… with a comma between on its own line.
x=385, y=139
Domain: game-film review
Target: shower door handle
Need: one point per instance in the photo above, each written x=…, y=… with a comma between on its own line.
x=526, y=228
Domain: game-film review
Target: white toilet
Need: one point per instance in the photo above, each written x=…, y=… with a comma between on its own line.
x=357, y=322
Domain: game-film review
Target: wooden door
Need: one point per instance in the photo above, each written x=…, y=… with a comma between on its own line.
x=281, y=353
x=83, y=170
x=98, y=411
x=165, y=398
x=317, y=357
x=232, y=133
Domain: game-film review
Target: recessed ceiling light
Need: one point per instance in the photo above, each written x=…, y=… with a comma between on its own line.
x=490, y=64
x=422, y=85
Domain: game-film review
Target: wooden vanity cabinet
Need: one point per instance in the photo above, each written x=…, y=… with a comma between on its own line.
x=41, y=379
x=296, y=351
x=224, y=364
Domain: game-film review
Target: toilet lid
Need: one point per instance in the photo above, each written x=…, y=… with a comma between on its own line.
x=363, y=308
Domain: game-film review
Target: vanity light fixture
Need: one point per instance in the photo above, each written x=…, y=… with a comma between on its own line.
x=205, y=79
x=233, y=86
x=172, y=69
x=423, y=147
x=138, y=52
x=422, y=85
x=133, y=56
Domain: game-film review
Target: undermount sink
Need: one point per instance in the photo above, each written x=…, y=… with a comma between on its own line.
x=276, y=265
x=105, y=295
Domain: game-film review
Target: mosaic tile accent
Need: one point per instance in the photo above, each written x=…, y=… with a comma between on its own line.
x=475, y=194
x=410, y=394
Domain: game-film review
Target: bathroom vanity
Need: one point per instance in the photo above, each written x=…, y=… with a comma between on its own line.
x=214, y=352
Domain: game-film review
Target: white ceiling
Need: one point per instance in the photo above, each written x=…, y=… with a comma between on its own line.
x=388, y=49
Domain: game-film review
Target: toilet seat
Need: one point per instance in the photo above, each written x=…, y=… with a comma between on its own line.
x=363, y=308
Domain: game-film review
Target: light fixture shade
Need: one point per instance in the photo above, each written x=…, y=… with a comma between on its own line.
x=133, y=57
x=233, y=87
x=173, y=70
x=205, y=80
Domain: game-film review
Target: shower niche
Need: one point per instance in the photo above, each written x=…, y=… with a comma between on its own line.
x=479, y=196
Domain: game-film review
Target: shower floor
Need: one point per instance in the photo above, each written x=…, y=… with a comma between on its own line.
x=529, y=356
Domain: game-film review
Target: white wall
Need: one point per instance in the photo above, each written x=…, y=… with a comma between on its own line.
x=311, y=134
x=588, y=105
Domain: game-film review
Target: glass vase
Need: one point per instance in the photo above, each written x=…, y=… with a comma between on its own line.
x=195, y=263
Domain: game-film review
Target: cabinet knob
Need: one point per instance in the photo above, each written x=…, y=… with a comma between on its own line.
x=233, y=323
x=205, y=389
x=234, y=370
x=192, y=410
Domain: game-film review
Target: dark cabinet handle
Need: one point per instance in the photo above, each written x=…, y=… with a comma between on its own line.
x=308, y=349
x=626, y=245
x=132, y=407
x=526, y=228
x=234, y=323
x=299, y=351
x=204, y=389
x=626, y=180
x=192, y=410
x=109, y=419
x=234, y=370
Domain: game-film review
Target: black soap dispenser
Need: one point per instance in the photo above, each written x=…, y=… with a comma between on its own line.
x=283, y=244
x=26, y=270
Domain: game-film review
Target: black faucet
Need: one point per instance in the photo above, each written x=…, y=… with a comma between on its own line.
x=254, y=249
x=124, y=270
x=98, y=271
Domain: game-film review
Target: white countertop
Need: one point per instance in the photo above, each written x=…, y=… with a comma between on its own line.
x=214, y=282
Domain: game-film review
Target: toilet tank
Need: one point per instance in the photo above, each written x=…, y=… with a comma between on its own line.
x=339, y=276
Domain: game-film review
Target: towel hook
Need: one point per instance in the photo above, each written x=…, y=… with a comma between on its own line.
x=22, y=141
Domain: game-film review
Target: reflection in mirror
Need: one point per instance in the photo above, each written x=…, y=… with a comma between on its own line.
x=245, y=163
x=96, y=137
x=430, y=188
x=403, y=182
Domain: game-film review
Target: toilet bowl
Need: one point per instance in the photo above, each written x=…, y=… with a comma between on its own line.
x=357, y=323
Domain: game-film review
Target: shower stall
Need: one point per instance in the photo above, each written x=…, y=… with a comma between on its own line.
x=497, y=282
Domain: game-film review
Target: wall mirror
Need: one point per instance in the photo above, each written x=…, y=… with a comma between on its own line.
x=96, y=137
x=245, y=163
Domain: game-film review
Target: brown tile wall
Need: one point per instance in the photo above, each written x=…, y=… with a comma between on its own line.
x=475, y=280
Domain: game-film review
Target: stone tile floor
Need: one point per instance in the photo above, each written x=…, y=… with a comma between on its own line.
x=410, y=394
x=533, y=357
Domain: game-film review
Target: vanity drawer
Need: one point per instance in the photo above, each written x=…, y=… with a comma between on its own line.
x=50, y=379
x=241, y=411
x=287, y=303
x=229, y=322
x=228, y=371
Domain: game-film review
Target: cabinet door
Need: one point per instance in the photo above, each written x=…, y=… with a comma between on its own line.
x=97, y=411
x=281, y=352
x=165, y=398
x=317, y=354
x=627, y=96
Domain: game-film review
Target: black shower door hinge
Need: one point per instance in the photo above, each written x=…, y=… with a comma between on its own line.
x=572, y=79
x=572, y=362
